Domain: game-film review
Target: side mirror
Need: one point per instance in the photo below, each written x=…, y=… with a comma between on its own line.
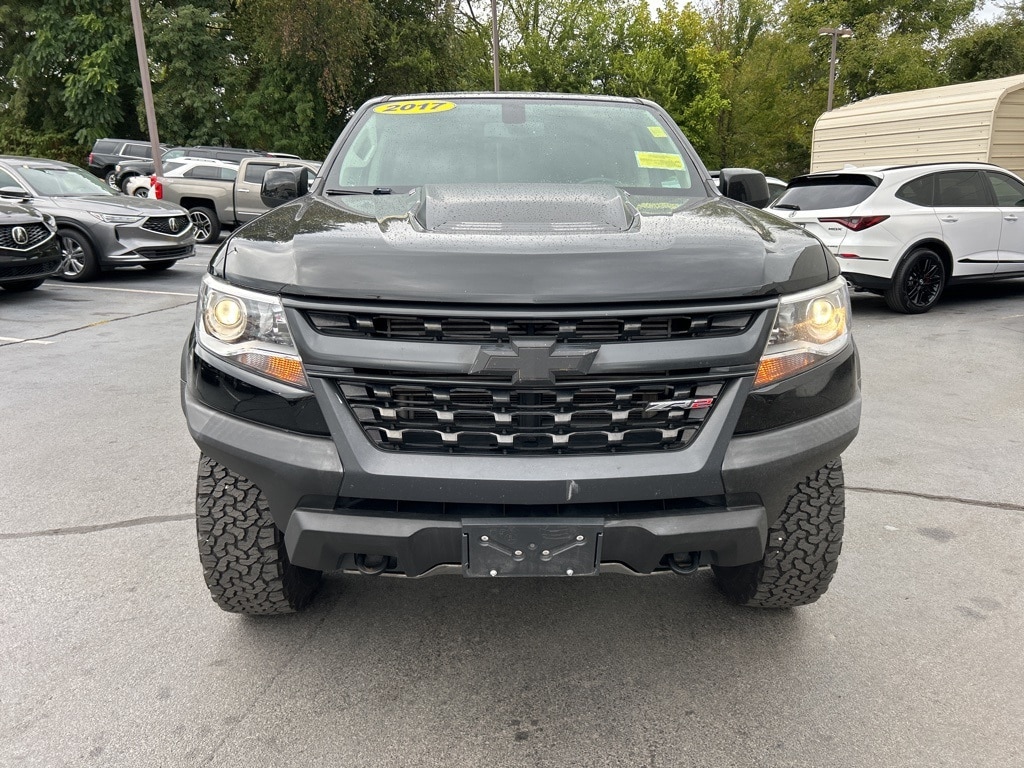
x=745, y=185
x=283, y=184
x=14, y=193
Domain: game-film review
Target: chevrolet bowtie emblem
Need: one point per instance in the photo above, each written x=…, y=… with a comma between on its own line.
x=534, y=361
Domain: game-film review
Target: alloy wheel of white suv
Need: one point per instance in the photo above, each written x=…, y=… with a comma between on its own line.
x=906, y=232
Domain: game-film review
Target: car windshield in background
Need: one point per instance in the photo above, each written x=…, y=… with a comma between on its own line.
x=56, y=181
x=407, y=143
x=819, y=193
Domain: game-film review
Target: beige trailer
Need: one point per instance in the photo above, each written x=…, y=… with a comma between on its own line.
x=981, y=121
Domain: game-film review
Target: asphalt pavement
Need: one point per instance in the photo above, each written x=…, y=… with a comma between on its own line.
x=114, y=654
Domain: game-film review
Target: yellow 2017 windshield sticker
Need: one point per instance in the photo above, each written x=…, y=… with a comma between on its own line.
x=664, y=160
x=416, y=107
x=657, y=131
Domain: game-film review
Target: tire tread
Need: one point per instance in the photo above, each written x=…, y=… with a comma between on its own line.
x=802, y=551
x=242, y=551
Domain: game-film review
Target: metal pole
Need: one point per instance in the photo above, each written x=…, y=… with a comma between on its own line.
x=831, y=68
x=147, y=88
x=494, y=44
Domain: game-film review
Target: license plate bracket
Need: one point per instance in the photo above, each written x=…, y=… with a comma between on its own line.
x=507, y=547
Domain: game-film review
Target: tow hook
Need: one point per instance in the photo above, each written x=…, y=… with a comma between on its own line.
x=371, y=565
x=684, y=563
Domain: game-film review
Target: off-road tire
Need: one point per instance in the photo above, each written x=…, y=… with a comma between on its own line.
x=917, y=283
x=803, y=548
x=242, y=551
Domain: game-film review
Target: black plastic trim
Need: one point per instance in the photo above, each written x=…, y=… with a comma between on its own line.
x=418, y=543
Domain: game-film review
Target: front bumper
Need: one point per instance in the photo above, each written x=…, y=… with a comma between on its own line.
x=336, y=498
x=132, y=244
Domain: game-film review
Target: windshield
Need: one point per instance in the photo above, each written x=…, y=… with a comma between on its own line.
x=408, y=143
x=56, y=181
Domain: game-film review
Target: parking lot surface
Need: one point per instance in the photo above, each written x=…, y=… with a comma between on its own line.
x=115, y=655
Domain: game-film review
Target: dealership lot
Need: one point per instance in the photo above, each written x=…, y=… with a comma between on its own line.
x=115, y=655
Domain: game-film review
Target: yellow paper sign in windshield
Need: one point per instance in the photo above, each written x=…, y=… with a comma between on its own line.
x=416, y=107
x=665, y=160
x=657, y=131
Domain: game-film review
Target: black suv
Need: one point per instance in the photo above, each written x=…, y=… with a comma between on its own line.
x=107, y=153
x=128, y=169
x=519, y=335
x=29, y=250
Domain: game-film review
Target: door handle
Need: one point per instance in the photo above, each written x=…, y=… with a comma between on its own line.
x=950, y=219
x=241, y=189
x=1010, y=217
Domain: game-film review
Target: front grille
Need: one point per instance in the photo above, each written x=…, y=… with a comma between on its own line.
x=29, y=269
x=165, y=253
x=162, y=224
x=470, y=329
x=482, y=417
x=37, y=233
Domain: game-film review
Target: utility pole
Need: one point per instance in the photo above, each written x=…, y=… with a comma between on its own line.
x=494, y=44
x=147, y=88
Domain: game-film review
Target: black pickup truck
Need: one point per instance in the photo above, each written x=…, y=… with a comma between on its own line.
x=519, y=335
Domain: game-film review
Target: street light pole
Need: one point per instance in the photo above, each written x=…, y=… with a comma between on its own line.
x=835, y=33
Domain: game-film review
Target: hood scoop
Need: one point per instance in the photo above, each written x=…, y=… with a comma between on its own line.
x=524, y=208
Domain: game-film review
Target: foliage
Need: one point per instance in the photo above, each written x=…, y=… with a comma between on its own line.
x=745, y=79
x=989, y=51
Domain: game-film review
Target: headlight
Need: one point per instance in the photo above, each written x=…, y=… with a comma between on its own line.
x=50, y=222
x=117, y=218
x=248, y=329
x=810, y=327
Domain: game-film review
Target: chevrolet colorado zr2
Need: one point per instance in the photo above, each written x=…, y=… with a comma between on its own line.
x=507, y=335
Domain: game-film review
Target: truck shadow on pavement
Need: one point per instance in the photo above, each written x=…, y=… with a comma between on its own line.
x=546, y=662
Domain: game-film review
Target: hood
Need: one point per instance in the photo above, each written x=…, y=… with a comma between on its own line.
x=522, y=244
x=11, y=213
x=116, y=204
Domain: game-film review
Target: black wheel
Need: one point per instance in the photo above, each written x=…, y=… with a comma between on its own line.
x=206, y=223
x=141, y=192
x=917, y=283
x=125, y=180
x=242, y=551
x=158, y=266
x=79, y=260
x=802, y=551
x=18, y=286
x=111, y=178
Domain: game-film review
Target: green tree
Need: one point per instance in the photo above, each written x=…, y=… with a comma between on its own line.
x=191, y=50
x=990, y=50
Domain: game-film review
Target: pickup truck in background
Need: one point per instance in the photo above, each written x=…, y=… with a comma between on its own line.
x=214, y=202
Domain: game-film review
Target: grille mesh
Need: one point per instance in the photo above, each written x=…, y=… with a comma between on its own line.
x=165, y=253
x=37, y=233
x=484, y=418
x=497, y=329
x=36, y=268
x=162, y=224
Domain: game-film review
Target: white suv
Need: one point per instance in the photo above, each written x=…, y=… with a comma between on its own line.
x=906, y=232
x=188, y=167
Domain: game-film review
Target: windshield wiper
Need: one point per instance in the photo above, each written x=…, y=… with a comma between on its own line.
x=354, y=191
x=787, y=206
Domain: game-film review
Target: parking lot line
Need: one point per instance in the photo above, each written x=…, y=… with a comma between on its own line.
x=24, y=341
x=128, y=290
